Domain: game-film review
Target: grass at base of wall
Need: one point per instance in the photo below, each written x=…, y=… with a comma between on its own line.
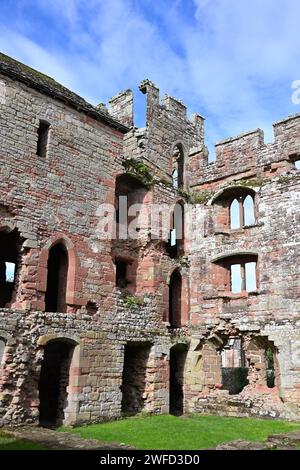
x=11, y=443
x=166, y=432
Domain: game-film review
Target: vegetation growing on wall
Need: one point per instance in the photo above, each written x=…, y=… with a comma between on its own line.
x=139, y=170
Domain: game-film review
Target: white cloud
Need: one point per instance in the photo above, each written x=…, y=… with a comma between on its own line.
x=231, y=60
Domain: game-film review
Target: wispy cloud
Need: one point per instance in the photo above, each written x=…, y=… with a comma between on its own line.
x=231, y=60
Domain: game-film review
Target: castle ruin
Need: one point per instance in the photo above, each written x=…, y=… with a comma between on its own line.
x=202, y=317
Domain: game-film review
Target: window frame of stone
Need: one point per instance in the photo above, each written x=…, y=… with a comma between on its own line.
x=241, y=202
x=223, y=276
x=243, y=270
x=43, y=138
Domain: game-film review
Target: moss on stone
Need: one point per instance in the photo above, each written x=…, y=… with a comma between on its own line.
x=165, y=182
x=196, y=197
x=284, y=179
x=250, y=183
x=132, y=301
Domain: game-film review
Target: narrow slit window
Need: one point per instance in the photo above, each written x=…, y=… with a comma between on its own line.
x=42, y=144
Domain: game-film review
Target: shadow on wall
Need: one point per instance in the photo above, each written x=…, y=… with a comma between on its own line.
x=54, y=380
x=133, y=387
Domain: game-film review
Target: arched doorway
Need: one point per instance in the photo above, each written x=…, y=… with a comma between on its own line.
x=58, y=263
x=177, y=363
x=54, y=380
x=175, y=288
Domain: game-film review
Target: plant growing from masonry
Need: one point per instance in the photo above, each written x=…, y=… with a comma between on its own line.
x=132, y=301
x=139, y=170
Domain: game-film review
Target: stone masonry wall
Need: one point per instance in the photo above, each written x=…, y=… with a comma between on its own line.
x=58, y=199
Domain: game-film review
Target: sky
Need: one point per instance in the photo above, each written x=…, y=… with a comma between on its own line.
x=232, y=61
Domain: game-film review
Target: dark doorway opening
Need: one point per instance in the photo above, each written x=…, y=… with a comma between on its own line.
x=175, y=288
x=55, y=298
x=134, y=377
x=234, y=371
x=54, y=380
x=9, y=252
x=177, y=362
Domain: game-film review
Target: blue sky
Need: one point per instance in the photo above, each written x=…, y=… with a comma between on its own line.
x=232, y=61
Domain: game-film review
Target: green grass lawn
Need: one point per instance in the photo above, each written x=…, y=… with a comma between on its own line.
x=10, y=443
x=182, y=433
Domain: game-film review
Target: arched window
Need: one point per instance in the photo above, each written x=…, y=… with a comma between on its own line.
x=242, y=211
x=58, y=263
x=249, y=218
x=175, y=288
x=235, y=216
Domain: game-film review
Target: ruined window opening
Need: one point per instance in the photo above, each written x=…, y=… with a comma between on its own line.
x=234, y=370
x=175, y=178
x=242, y=212
x=9, y=254
x=43, y=134
x=235, y=219
x=91, y=308
x=121, y=273
x=2, y=347
x=175, y=288
x=270, y=368
x=55, y=297
x=134, y=378
x=176, y=237
x=54, y=381
x=237, y=273
x=178, y=167
x=297, y=164
x=128, y=191
x=243, y=277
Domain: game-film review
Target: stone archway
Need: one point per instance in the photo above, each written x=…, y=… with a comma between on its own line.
x=56, y=292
